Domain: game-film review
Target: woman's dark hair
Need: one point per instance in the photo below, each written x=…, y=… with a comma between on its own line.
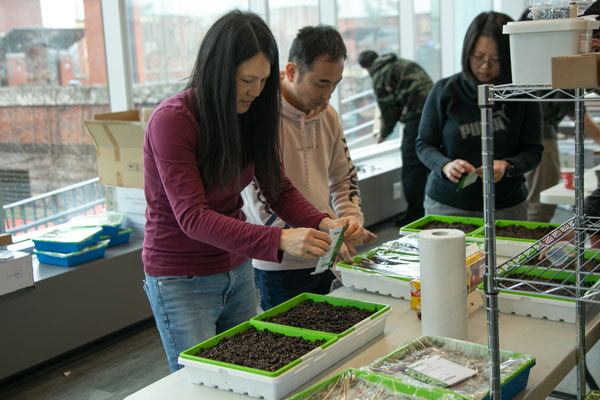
x=228, y=141
x=313, y=41
x=367, y=58
x=488, y=24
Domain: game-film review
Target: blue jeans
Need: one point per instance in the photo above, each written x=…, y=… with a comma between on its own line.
x=191, y=309
x=275, y=287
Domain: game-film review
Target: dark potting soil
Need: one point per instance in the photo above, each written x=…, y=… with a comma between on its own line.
x=466, y=228
x=321, y=316
x=263, y=350
x=541, y=287
x=521, y=232
x=570, y=264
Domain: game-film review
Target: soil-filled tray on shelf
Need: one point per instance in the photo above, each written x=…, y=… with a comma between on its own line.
x=260, y=360
x=537, y=294
x=522, y=231
x=466, y=224
x=354, y=322
x=514, y=367
x=354, y=384
x=510, y=246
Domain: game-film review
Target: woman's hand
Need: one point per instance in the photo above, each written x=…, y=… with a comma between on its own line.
x=454, y=170
x=304, y=243
x=500, y=167
x=355, y=234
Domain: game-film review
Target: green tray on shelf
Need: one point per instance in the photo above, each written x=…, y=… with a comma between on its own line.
x=545, y=273
x=479, y=233
x=414, y=226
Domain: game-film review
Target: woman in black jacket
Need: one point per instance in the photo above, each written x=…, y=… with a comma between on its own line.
x=449, y=141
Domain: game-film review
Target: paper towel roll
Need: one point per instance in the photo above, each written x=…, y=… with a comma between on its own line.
x=443, y=283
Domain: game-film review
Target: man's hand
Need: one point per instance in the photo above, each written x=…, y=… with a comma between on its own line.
x=379, y=138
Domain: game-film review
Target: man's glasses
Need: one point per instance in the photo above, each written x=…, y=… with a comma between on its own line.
x=480, y=61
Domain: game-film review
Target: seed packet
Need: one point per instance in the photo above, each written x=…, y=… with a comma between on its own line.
x=337, y=238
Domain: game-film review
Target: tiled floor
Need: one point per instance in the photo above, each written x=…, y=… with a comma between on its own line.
x=128, y=364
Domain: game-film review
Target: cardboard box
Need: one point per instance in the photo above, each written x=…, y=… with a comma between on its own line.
x=16, y=271
x=119, y=138
x=131, y=202
x=534, y=43
x=5, y=239
x=577, y=71
x=137, y=224
x=125, y=200
x=415, y=294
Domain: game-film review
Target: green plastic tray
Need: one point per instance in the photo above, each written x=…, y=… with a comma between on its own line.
x=335, y=301
x=189, y=354
x=479, y=233
x=546, y=273
x=530, y=258
x=400, y=389
x=511, y=384
x=414, y=226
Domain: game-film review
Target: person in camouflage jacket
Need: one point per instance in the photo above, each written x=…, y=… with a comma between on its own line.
x=401, y=87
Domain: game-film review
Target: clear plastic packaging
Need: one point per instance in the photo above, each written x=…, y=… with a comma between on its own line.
x=470, y=355
x=359, y=385
x=557, y=9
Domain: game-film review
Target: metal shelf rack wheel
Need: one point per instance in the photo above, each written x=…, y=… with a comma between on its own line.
x=558, y=265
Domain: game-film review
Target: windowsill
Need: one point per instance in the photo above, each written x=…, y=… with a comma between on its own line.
x=364, y=154
x=47, y=271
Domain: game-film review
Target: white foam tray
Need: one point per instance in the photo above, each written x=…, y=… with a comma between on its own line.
x=377, y=283
x=538, y=307
x=274, y=388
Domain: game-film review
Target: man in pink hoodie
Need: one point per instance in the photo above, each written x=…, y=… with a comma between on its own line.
x=315, y=158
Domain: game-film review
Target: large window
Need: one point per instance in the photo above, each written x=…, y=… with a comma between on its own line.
x=427, y=36
x=53, y=74
x=364, y=25
x=52, y=77
x=286, y=17
x=164, y=39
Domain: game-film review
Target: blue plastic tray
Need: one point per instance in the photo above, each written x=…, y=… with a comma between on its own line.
x=71, y=259
x=110, y=222
x=121, y=237
x=512, y=382
x=67, y=239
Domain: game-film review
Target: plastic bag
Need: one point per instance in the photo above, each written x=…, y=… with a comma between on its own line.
x=360, y=385
x=556, y=9
x=470, y=355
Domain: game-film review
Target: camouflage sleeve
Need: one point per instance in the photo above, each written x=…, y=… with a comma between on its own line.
x=413, y=86
x=390, y=114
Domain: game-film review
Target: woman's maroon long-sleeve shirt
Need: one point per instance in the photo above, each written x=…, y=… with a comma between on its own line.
x=190, y=231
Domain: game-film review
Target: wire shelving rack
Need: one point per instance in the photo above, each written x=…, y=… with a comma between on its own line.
x=573, y=270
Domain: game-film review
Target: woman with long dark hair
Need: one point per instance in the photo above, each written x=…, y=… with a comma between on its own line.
x=449, y=140
x=202, y=147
